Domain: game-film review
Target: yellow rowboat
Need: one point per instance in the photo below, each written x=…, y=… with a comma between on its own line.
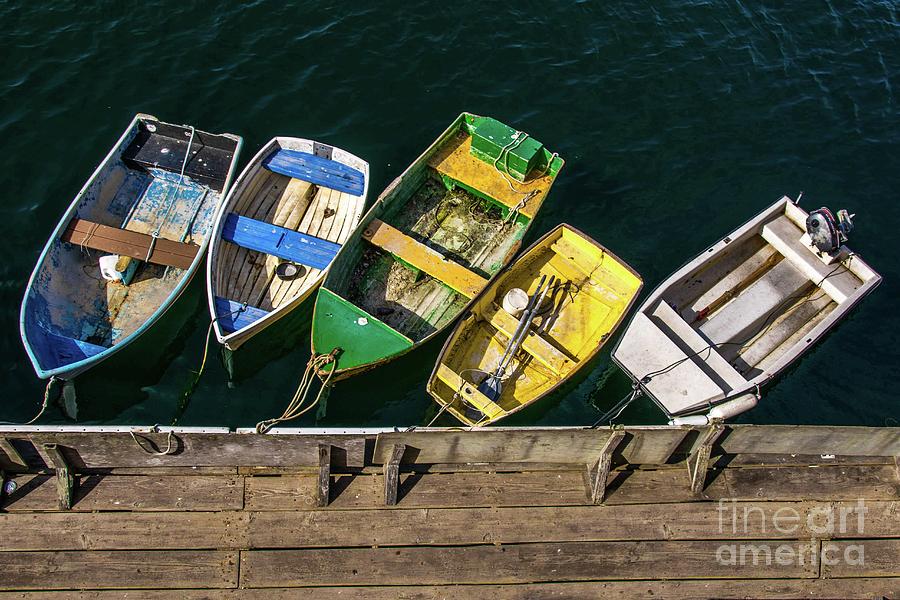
x=592, y=292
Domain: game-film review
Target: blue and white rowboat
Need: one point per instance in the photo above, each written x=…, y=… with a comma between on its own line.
x=282, y=223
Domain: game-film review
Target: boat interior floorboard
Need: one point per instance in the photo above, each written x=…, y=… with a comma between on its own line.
x=455, y=223
x=296, y=205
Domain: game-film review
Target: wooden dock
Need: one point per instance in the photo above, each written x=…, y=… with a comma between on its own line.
x=662, y=512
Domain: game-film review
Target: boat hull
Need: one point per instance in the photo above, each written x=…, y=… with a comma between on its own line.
x=160, y=182
x=433, y=239
x=592, y=292
x=738, y=314
x=301, y=202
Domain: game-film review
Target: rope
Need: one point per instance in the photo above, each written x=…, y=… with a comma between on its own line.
x=44, y=405
x=517, y=141
x=189, y=390
x=169, y=437
x=156, y=232
x=295, y=407
x=85, y=249
x=620, y=406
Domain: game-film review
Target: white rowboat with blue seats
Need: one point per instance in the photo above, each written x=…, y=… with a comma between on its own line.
x=127, y=246
x=288, y=214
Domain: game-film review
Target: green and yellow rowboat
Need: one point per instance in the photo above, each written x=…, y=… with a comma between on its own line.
x=430, y=243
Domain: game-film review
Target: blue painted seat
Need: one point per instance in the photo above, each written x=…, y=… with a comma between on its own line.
x=315, y=169
x=285, y=244
x=233, y=316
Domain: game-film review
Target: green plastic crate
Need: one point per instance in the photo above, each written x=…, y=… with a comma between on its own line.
x=491, y=136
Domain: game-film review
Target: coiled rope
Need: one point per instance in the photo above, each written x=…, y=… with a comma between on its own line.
x=517, y=140
x=315, y=367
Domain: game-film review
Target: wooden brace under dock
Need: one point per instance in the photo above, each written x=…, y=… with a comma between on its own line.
x=504, y=512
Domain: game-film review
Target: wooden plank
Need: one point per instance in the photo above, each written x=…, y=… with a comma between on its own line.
x=130, y=243
x=13, y=458
x=447, y=526
x=861, y=558
x=567, y=446
x=469, y=489
x=118, y=569
x=514, y=525
x=422, y=257
x=561, y=488
x=126, y=492
x=391, y=474
x=812, y=439
x=469, y=392
x=700, y=457
x=802, y=460
x=848, y=482
x=725, y=589
x=568, y=561
x=784, y=236
x=87, y=450
x=124, y=530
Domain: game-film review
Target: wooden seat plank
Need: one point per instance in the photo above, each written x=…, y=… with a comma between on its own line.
x=422, y=257
x=784, y=236
x=542, y=350
x=456, y=161
x=318, y=170
x=129, y=243
x=278, y=241
x=469, y=391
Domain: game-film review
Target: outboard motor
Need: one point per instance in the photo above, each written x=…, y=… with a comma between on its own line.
x=825, y=232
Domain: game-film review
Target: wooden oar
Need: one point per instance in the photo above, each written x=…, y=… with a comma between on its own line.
x=492, y=387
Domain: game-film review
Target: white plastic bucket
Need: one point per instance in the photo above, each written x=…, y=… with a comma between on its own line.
x=515, y=302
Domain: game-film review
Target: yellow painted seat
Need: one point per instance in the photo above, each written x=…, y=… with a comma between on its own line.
x=542, y=350
x=469, y=392
x=422, y=257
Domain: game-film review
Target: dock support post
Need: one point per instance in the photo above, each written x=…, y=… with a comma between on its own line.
x=65, y=482
x=392, y=474
x=700, y=457
x=598, y=473
x=11, y=453
x=897, y=466
x=324, y=481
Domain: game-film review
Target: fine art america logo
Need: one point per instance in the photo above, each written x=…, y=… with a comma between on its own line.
x=824, y=521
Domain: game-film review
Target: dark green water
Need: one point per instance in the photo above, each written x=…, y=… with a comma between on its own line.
x=678, y=121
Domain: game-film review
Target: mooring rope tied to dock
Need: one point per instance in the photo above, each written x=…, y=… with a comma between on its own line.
x=295, y=408
x=155, y=429
x=620, y=406
x=44, y=405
